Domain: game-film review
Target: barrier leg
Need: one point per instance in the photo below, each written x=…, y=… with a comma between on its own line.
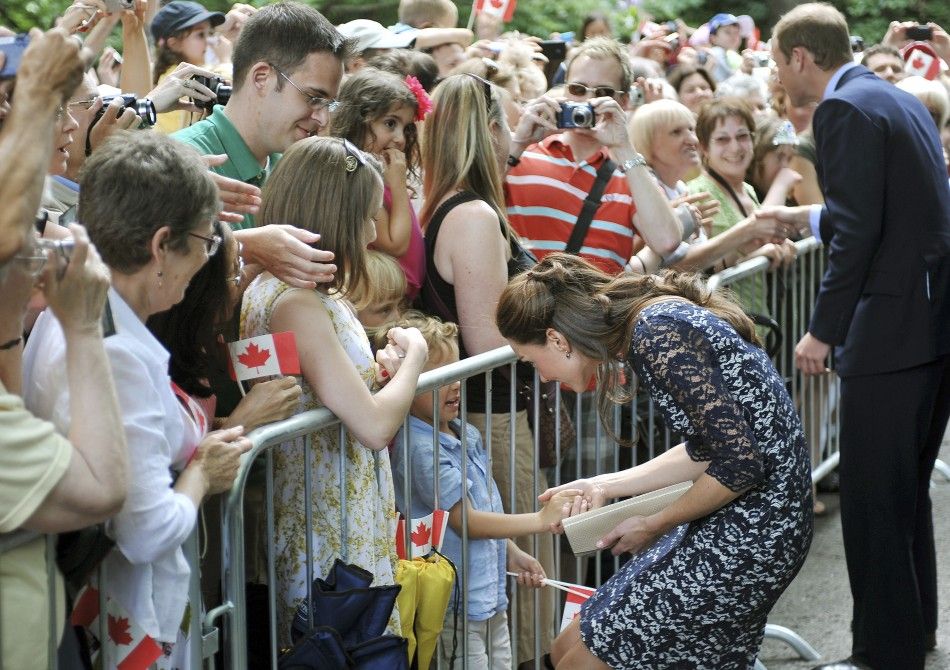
x=793, y=640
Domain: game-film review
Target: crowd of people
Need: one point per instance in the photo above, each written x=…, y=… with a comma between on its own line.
x=401, y=198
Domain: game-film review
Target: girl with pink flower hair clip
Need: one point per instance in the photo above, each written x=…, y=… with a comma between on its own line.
x=378, y=112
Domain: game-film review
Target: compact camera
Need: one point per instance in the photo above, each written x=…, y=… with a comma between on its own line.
x=116, y=6
x=12, y=48
x=218, y=86
x=143, y=107
x=576, y=115
x=761, y=58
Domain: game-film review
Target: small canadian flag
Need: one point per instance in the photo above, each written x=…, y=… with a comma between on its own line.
x=426, y=534
x=263, y=356
x=503, y=9
x=127, y=645
x=572, y=604
x=921, y=60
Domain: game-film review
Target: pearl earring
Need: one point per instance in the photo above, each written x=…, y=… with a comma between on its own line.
x=160, y=275
x=567, y=354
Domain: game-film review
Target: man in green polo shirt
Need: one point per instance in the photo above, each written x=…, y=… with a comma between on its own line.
x=288, y=63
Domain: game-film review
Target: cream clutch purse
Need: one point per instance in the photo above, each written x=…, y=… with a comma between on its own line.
x=584, y=530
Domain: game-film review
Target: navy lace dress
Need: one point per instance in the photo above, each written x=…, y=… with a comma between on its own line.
x=700, y=596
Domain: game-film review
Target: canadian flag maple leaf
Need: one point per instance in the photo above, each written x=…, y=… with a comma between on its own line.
x=254, y=356
x=420, y=536
x=119, y=630
x=918, y=63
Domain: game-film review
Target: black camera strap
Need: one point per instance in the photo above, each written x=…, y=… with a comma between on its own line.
x=591, y=204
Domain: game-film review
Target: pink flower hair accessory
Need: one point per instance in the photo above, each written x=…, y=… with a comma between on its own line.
x=424, y=102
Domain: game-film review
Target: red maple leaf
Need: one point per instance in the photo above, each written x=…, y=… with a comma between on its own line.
x=119, y=630
x=254, y=356
x=420, y=535
x=918, y=63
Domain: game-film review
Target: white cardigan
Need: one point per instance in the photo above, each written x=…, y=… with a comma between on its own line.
x=149, y=575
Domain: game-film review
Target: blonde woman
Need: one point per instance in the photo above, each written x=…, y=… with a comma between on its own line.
x=330, y=187
x=470, y=253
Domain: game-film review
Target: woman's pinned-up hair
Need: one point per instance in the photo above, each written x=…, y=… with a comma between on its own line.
x=134, y=184
x=326, y=187
x=596, y=311
x=457, y=145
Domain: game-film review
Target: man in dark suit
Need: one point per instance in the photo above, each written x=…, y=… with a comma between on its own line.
x=884, y=304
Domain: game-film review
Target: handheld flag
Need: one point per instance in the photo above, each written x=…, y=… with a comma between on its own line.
x=503, y=9
x=263, y=356
x=426, y=533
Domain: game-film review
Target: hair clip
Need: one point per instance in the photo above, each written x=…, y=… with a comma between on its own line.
x=423, y=101
x=785, y=135
x=354, y=157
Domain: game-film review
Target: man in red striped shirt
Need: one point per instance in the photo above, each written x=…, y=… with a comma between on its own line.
x=552, y=170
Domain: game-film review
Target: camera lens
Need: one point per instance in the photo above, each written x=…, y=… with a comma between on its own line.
x=582, y=116
x=145, y=108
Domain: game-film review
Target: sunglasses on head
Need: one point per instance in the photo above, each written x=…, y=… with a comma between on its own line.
x=597, y=91
x=486, y=85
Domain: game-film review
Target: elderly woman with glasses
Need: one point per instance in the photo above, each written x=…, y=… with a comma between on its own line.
x=149, y=206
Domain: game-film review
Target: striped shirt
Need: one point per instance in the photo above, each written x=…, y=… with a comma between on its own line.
x=545, y=193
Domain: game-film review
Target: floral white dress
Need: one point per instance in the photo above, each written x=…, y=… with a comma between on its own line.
x=365, y=534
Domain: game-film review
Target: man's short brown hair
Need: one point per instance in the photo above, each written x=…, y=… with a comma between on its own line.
x=819, y=28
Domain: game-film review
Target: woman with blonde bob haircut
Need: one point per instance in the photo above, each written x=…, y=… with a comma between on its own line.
x=328, y=186
x=471, y=252
x=709, y=567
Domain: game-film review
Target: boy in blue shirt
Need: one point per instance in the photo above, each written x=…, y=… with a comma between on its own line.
x=490, y=550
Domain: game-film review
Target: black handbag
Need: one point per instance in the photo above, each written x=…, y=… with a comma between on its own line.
x=79, y=553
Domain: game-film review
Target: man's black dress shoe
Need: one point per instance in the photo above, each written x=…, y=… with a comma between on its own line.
x=843, y=664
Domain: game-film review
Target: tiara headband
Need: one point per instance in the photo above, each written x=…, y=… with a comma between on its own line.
x=423, y=101
x=785, y=135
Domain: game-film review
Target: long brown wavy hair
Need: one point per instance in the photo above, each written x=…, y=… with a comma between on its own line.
x=596, y=312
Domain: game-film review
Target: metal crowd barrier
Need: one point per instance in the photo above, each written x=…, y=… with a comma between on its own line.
x=789, y=294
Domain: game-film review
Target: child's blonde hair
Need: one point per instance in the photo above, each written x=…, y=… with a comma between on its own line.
x=440, y=336
x=428, y=13
x=384, y=282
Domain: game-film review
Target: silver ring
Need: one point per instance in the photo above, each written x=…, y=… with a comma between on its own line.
x=400, y=355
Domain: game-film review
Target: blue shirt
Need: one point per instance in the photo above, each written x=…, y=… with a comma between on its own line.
x=486, y=581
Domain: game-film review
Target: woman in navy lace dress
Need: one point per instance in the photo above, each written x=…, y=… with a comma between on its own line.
x=707, y=569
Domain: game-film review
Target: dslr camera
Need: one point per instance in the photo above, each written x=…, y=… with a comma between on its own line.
x=218, y=86
x=144, y=108
x=576, y=115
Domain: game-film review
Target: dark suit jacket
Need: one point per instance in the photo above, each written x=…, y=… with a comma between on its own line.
x=884, y=300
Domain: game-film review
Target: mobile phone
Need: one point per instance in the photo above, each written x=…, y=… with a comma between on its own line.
x=12, y=48
x=923, y=33
x=554, y=50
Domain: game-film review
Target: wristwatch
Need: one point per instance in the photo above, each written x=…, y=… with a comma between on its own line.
x=630, y=163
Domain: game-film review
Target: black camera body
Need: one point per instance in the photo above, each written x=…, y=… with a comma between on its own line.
x=576, y=115
x=218, y=86
x=143, y=107
x=920, y=33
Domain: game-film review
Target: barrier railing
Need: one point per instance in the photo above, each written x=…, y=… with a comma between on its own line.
x=788, y=293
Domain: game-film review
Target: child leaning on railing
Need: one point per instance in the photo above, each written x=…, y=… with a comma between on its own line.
x=489, y=528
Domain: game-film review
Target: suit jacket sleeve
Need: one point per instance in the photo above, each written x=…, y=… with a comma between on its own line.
x=852, y=150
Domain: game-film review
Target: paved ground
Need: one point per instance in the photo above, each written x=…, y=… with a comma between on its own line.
x=818, y=604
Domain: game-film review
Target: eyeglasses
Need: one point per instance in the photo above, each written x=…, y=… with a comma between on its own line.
x=354, y=157
x=580, y=90
x=84, y=105
x=211, y=243
x=34, y=263
x=239, y=277
x=486, y=85
x=315, y=102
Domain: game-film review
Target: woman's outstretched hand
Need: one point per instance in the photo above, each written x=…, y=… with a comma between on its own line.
x=592, y=494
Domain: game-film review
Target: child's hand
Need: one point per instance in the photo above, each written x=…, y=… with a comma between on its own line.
x=394, y=168
x=530, y=572
x=561, y=505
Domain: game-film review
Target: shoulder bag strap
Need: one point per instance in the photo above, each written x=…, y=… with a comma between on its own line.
x=591, y=203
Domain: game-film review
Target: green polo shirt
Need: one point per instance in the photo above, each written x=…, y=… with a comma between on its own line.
x=217, y=135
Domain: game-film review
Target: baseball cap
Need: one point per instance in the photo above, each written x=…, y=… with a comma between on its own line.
x=372, y=35
x=179, y=15
x=720, y=20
